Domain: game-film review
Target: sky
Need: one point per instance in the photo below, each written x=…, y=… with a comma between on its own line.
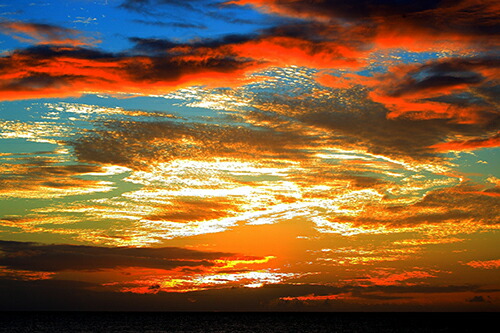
x=249, y=155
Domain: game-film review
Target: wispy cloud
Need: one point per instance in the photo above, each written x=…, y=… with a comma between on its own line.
x=45, y=34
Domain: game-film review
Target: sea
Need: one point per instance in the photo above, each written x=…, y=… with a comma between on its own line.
x=232, y=322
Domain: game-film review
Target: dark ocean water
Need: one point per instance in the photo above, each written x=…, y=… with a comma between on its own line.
x=149, y=322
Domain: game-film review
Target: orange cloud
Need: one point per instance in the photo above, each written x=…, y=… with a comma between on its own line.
x=313, y=45
x=468, y=144
x=488, y=264
x=26, y=275
x=285, y=51
x=222, y=274
x=70, y=71
x=429, y=91
x=43, y=178
x=156, y=66
x=397, y=279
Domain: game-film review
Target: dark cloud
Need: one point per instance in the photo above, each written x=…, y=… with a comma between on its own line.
x=361, y=121
x=313, y=32
x=158, y=45
x=136, y=144
x=33, y=72
x=338, y=8
x=436, y=80
x=477, y=299
x=442, y=74
x=73, y=295
x=408, y=111
x=463, y=17
x=313, y=44
x=455, y=92
x=355, y=120
x=155, y=64
x=350, y=116
x=152, y=45
x=56, y=258
x=229, y=18
x=417, y=289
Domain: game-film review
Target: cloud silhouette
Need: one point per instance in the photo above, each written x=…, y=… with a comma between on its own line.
x=61, y=257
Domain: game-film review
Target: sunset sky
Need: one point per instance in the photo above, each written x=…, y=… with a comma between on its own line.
x=250, y=155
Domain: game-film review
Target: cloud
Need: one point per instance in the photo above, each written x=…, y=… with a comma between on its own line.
x=75, y=295
x=460, y=203
x=194, y=210
x=156, y=66
x=484, y=264
x=458, y=209
x=411, y=24
x=45, y=71
x=379, y=155
x=355, y=121
x=313, y=45
x=196, y=48
x=25, y=275
x=161, y=65
x=443, y=75
x=439, y=215
x=283, y=46
x=404, y=278
x=60, y=257
x=42, y=34
x=442, y=105
x=358, y=9
x=124, y=143
x=44, y=178
x=135, y=270
x=477, y=299
x=454, y=89
x=465, y=145
x=363, y=117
